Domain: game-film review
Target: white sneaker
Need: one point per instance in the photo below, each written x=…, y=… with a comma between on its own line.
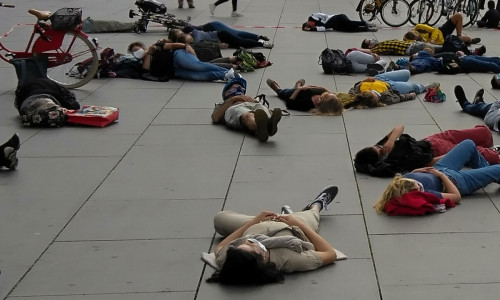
x=235, y=14
x=211, y=7
x=229, y=75
x=266, y=44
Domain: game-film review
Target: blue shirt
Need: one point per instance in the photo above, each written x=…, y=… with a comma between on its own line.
x=202, y=35
x=432, y=184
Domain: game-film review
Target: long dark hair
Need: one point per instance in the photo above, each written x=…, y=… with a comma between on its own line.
x=245, y=268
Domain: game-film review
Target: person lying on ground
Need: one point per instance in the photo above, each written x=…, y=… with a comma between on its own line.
x=490, y=18
x=365, y=61
x=429, y=34
x=489, y=112
x=396, y=47
x=245, y=113
x=339, y=22
x=258, y=250
x=398, y=152
x=219, y=26
x=444, y=184
x=227, y=37
x=167, y=60
x=8, y=153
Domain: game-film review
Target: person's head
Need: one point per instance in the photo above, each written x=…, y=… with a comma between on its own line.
x=397, y=188
x=368, y=155
x=135, y=46
x=368, y=99
x=491, y=4
x=247, y=264
x=308, y=25
x=369, y=43
x=235, y=87
x=327, y=104
x=177, y=36
x=412, y=35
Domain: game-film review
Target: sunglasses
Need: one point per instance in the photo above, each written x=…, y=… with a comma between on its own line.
x=261, y=246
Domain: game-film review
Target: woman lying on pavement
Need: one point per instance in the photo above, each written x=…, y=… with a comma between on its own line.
x=258, y=250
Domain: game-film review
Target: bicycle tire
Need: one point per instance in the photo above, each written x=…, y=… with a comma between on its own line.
x=367, y=10
x=81, y=49
x=421, y=11
x=469, y=10
x=395, y=13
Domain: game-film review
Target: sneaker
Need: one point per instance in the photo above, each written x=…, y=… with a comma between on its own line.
x=191, y=5
x=266, y=44
x=324, y=198
x=229, y=75
x=286, y=210
x=432, y=85
x=460, y=95
x=235, y=14
x=273, y=123
x=374, y=69
x=10, y=158
x=392, y=66
x=211, y=7
x=262, y=122
x=480, y=51
x=475, y=41
x=299, y=83
x=263, y=37
x=273, y=84
x=478, y=98
x=13, y=142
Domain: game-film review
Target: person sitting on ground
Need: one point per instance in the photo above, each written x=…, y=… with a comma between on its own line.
x=489, y=112
x=315, y=99
x=339, y=22
x=8, y=151
x=242, y=112
x=364, y=61
x=490, y=18
x=398, y=152
x=432, y=189
x=166, y=60
x=258, y=250
x=429, y=34
x=227, y=38
x=396, y=47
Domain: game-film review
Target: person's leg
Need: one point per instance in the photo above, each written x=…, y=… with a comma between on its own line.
x=483, y=64
x=479, y=109
x=341, y=22
x=235, y=42
x=219, y=2
x=187, y=66
x=219, y=26
x=310, y=217
x=360, y=60
x=226, y=222
x=464, y=153
x=454, y=23
x=481, y=24
x=285, y=94
x=397, y=75
x=235, y=5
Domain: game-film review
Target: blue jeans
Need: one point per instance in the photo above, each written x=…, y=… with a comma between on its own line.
x=468, y=180
x=285, y=94
x=478, y=110
x=219, y=26
x=398, y=80
x=188, y=66
x=482, y=64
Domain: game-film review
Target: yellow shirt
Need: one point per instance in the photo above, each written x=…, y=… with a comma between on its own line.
x=429, y=33
x=377, y=85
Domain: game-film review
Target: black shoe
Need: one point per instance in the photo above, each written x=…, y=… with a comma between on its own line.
x=262, y=122
x=374, y=69
x=460, y=95
x=392, y=66
x=475, y=41
x=8, y=152
x=478, y=98
x=263, y=37
x=273, y=122
x=324, y=198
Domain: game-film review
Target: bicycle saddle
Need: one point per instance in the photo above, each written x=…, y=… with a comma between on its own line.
x=41, y=15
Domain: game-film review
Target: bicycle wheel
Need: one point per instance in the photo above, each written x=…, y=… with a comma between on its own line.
x=78, y=49
x=469, y=10
x=395, y=13
x=439, y=10
x=367, y=10
x=421, y=11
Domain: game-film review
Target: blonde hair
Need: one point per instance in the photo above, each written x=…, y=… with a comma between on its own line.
x=429, y=50
x=398, y=187
x=328, y=106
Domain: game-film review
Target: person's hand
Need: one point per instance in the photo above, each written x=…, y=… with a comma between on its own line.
x=433, y=41
x=460, y=53
x=264, y=216
x=376, y=56
x=152, y=49
x=164, y=41
x=423, y=170
x=289, y=220
x=386, y=148
x=190, y=49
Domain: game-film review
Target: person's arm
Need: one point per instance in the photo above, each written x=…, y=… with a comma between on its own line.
x=324, y=249
x=263, y=216
x=305, y=87
x=392, y=136
x=218, y=115
x=450, y=190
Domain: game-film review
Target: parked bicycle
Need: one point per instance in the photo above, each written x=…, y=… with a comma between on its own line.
x=156, y=12
x=430, y=12
x=62, y=47
x=394, y=13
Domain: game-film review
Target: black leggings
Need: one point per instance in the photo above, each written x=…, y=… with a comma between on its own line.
x=235, y=3
x=341, y=22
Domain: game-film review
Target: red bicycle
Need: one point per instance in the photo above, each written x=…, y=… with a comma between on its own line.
x=63, y=49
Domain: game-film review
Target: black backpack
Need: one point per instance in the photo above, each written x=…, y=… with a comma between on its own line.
x=334, y=62
x=453, y=43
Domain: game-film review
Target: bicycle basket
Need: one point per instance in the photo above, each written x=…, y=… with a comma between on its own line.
x=66, y=18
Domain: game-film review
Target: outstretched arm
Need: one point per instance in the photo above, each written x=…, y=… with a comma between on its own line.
x=392, y=136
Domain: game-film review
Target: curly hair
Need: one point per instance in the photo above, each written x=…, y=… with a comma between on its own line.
x=398, y=187
x=246, y=268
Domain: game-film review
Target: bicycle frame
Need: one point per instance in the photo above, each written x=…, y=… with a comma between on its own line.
x=47, y=41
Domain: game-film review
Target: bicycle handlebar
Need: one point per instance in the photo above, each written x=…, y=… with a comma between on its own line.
x=7, y=5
